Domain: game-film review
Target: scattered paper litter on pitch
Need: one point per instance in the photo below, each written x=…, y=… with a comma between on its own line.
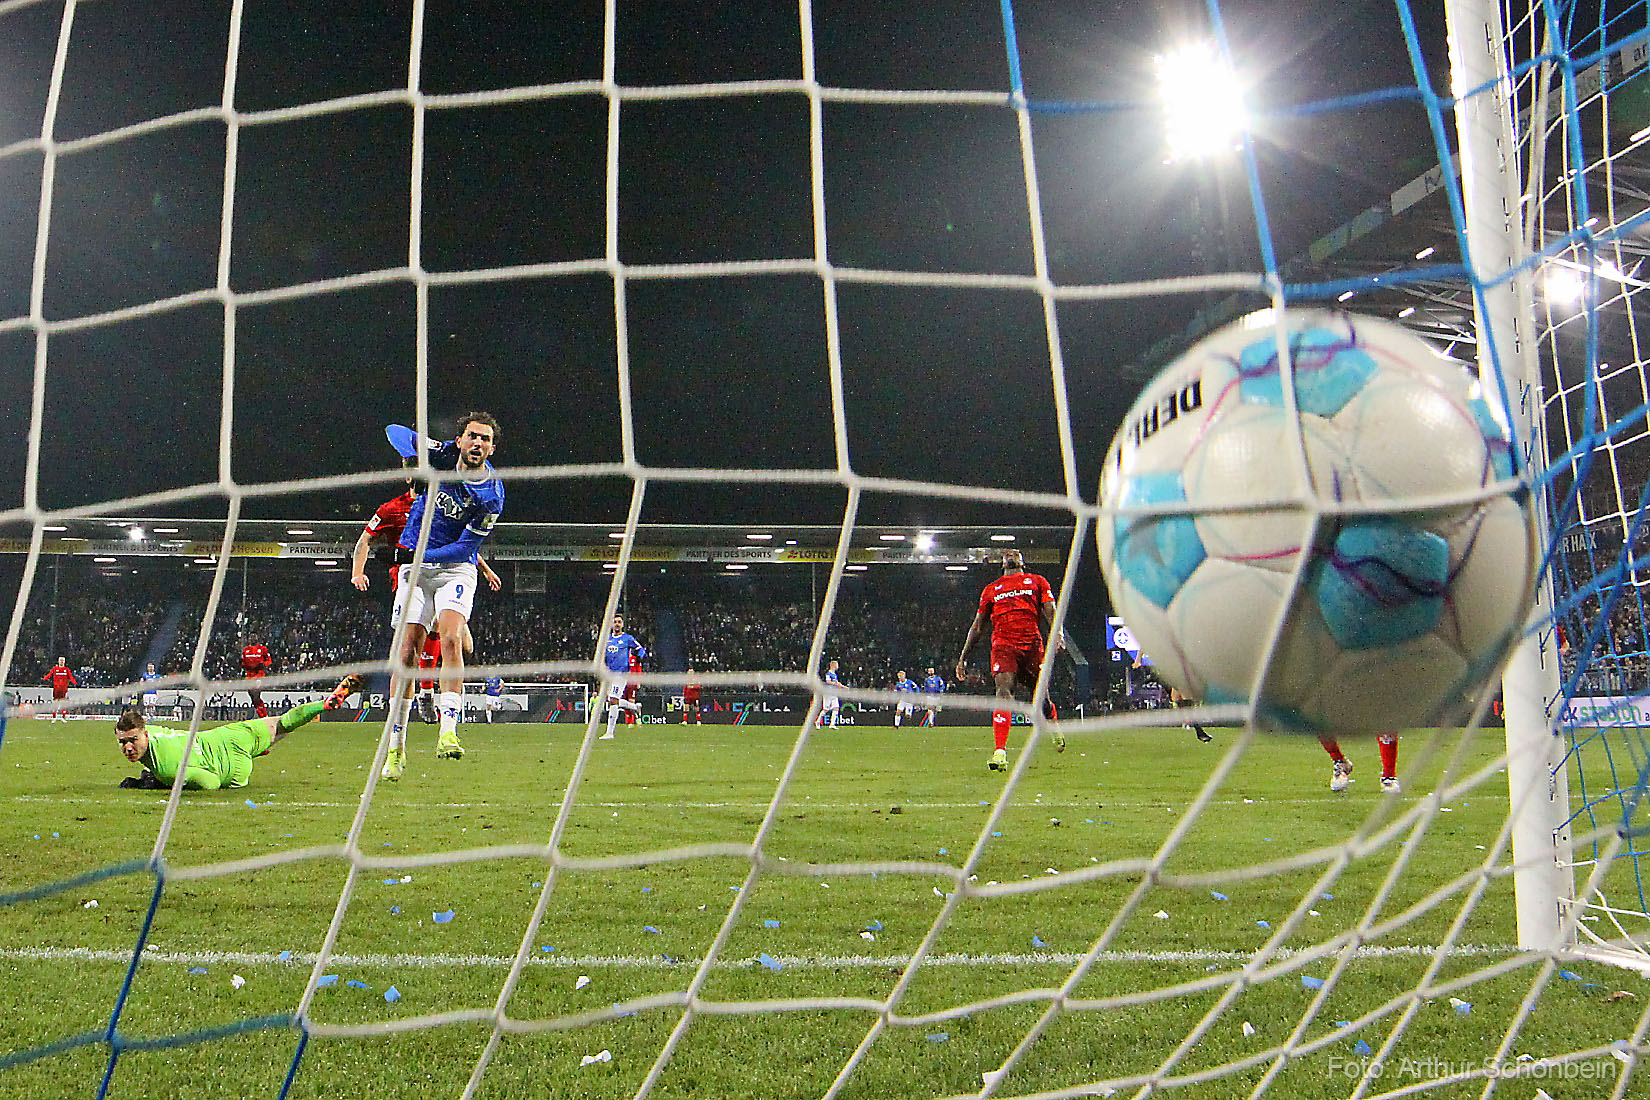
x=353, y=984
x=1463, y=1007
x=394, y=909
x=650, y=928
x=443, y=918
x=197, y=970
x=236, y=981
x=392, y=994
x=1310, y=982
x=546, y=948
x=600, y=1056
x=252, y=804
x=1037, y=941
x=406, y=878
x=1218, y=896
x=1248, y=1029
x=1263, y=924
x=284, y=956
x=1161, y=914
x=769, y=961
x=770, y=923
x=1620, y=995
x=89, y=903
x=583, y=980
x=867, y=936
x=1621, y=1049
x=940, y=1037
x=1569, y=975
x=391, y=881
x=327, y=979
x=1361, y=1047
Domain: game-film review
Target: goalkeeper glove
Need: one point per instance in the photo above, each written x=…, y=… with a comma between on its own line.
x=144, y=782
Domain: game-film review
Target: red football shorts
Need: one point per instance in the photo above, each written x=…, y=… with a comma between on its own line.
x=60, y=693
x=1023, y=659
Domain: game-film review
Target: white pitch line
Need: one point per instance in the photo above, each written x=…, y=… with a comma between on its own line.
x=799, y=804
x=659, y=962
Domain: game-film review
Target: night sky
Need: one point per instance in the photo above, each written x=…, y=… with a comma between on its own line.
x=941, y=384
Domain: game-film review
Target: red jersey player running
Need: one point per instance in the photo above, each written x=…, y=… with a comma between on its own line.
x=60, y=676
x=1020, y=608
x=255, y=664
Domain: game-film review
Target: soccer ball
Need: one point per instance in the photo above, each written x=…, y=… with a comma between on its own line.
x=1360, y=565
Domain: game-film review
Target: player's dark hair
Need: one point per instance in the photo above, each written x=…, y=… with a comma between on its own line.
x=130, y=719
x=477, y=418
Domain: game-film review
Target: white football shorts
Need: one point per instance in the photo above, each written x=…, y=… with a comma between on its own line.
x=440, y=588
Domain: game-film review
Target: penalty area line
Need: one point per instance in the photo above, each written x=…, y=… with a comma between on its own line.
x=662, y=962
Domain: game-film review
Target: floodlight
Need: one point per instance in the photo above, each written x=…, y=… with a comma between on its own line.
x=925, y=542
x=135, y=534
x=1203, y=113
x=1563, y=285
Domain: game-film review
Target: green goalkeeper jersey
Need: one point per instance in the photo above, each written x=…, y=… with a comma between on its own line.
x=222, y=756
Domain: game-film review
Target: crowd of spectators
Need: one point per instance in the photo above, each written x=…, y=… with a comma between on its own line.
x=314, y=626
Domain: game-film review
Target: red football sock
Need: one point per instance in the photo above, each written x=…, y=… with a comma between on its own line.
x=999, y=728
x=1389, y=755
x=261, y=711
x=1332, y=747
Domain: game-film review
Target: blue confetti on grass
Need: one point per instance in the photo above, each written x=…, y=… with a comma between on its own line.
x=943, y=851
x=443, y=918
x=392, y=994
x=391, y=881
x=770, y=923
x=284, y=956
x=939, y=1037
x=1464, y=1007
x=394, y=909
x=1361, y=1047
x=1218, y=896
x=1569, y=975
x=997, y=832
x=1037, y=941
x=353, y=984
x=647, y=889
x=252, y=804
x=1264, y=923
x=650, y=928
x=874, y=926
x=55, y=835
x=546, y=948
x=326, y=980
x=197, y=970
x=770, y=962
x=1310, y=982
x=536, y=885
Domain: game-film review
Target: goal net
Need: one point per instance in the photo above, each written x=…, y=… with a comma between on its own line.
x=845, y=263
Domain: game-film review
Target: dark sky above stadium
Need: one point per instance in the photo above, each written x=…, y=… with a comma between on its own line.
x=950, y=385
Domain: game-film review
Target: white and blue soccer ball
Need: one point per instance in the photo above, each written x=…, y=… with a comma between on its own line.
x=1363, y=563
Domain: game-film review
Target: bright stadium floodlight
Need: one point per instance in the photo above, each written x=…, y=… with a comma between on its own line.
x=925, y=542
x=135, y=534
x=1203, y=112
x=1563, y=285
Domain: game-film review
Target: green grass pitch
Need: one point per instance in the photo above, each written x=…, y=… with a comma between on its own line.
x=859, y=795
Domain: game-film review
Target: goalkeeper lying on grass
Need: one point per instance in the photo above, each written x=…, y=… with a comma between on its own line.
x=222, y=756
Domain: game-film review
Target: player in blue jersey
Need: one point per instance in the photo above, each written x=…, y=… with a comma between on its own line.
x=150, y=696
x=493, y=687
x=616, y=652
x=463, y=510
x=933, y=684
x=904, y=707
x=831, y=704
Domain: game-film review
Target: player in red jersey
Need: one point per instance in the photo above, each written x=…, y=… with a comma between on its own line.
x=384, y=528
x=255, y=664
x=1341, y=777
x=690, y=701
x=60, y=676
x=628, y=717
x=1020, y=609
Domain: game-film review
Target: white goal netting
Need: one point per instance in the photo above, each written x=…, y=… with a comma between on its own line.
x=847, y=262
